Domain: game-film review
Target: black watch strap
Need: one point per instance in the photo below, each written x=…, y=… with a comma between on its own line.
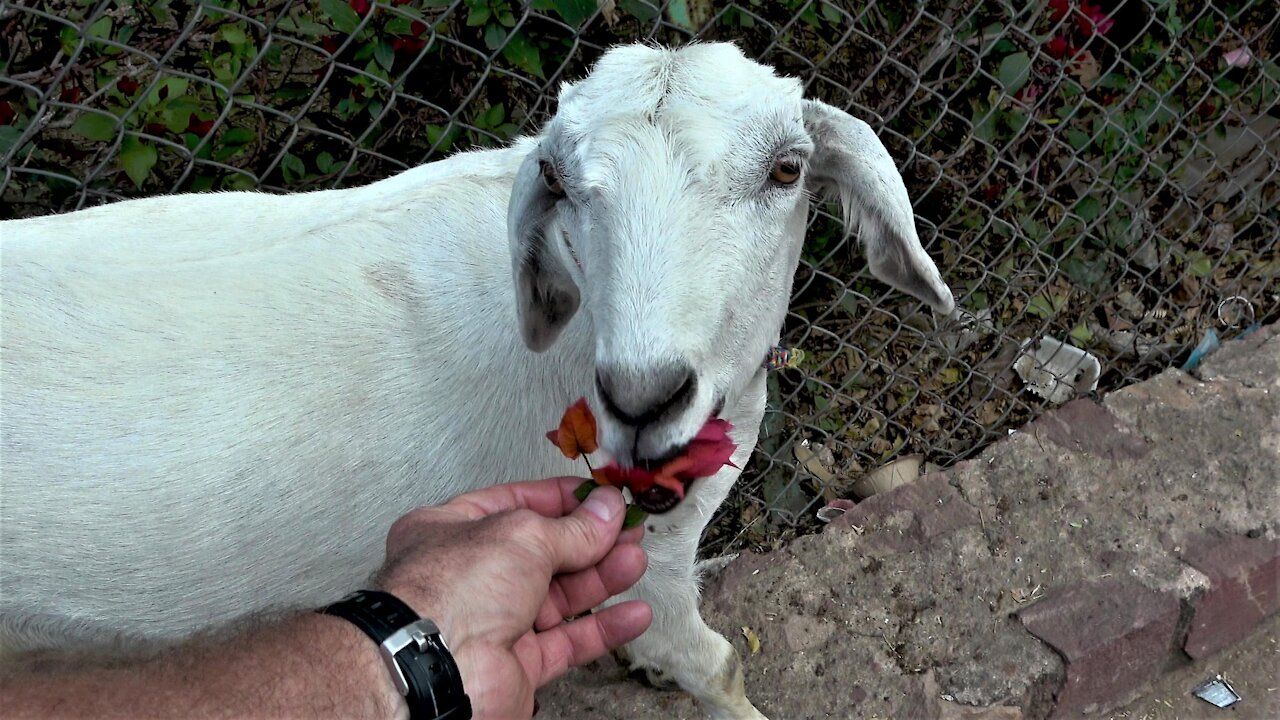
x=420, y=663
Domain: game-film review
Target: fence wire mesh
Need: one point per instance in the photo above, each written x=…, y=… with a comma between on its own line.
x=1099, y=174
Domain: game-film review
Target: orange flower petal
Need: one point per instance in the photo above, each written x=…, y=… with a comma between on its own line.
x=577, y=432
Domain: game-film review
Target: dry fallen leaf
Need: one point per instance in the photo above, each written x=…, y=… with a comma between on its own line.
x=753, y=640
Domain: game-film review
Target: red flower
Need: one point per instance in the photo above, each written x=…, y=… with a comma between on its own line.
x=361, y=7
x=330, y=44
x=127, y=85
x=1058, y=47
x=70, y=94
x=1028, y=95
x=7, y=113
x=653, y=490
x=1092, y=18
x=1060, y=9
x=154, y=128
x=710, y=450
x=577, y=432
x=660, y=490
x=199, y=127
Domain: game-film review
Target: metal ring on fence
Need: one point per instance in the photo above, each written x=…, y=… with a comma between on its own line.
x=1236, y=300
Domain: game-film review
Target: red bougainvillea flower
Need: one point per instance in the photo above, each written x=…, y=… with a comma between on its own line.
x=360, y=6
x=653, y=490
x=127, y=85
x=1093, y=18
x=1057, y=47
x=577, y=432
x=1059, y=9
x=710, y=450
x=1027, y=95
x=198, y=126
x=662, y=489
x=7, y=113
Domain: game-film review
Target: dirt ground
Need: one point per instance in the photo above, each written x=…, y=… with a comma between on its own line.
x=1252, y=668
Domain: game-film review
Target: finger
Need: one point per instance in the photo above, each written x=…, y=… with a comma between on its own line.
x=578, y=592
x=587, y=638
x=582, y=538
x=552, y=497
x=631, y=535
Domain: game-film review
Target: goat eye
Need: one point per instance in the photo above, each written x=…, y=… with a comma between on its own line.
x=785, y=172
x=552, y=180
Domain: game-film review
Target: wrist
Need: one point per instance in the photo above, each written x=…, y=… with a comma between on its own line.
x=413, y=652
x=358, y=658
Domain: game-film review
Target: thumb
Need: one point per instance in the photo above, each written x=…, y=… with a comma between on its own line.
x=582, y=538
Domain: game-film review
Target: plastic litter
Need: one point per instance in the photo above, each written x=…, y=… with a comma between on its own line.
x=834, y=509
x=1203, y=350
x=1057, y=371
x=887, y=477
x=1217, y=692
x=816, y=459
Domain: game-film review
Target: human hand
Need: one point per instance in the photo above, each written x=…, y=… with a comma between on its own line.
x=499, y=570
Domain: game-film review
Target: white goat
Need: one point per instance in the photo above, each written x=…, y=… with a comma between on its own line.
x=217, y=404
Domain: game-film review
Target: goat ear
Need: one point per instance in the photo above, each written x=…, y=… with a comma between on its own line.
x=851, y=162
x=546, y=295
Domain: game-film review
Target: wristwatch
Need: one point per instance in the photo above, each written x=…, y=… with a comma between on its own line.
x=416, y=655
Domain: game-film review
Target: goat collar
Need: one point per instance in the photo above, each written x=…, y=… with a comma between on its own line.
x=783, y=358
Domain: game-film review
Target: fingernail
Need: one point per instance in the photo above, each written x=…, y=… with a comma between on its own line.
x=597, y=505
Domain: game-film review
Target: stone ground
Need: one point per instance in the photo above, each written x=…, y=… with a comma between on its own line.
x=1101, y=561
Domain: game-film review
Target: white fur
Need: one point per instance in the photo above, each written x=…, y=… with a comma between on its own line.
x=217, y=404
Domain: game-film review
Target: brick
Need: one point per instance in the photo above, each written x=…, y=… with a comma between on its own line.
x=1085, y=426
x=1244, y=589
x=912, y=514
x=1114, y=636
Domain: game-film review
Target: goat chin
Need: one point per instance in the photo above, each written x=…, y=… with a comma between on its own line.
x=214, y=406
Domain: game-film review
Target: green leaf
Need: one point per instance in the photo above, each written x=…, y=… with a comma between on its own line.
x=646, y=11
x=575, y=12
x=95, y=127
x=304, y=26
x=324, y=162
x=1078, y=139
x=1200, y=266
x=492, y=117
x=344, y=18
x=293, y=167
x=583, y=490
x=521, y=52
x=494, y=35
x=1087, y=208
x=383, y=53
x=238, y=136
x=634, y=517
x=1014, y=72
x=478, y=15
x=101, y=28
x=9, y=136
x=234, y=35
x=1082, y=334
x=137, y=158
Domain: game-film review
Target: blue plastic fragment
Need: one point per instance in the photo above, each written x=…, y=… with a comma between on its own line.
x=1206, y=346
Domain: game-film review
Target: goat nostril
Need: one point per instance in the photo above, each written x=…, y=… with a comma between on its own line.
x=639, y=396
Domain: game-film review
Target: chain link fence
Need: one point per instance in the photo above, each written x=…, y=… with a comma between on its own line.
x=1104, y=175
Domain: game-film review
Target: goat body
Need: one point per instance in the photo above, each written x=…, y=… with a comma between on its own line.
x=215, y=405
